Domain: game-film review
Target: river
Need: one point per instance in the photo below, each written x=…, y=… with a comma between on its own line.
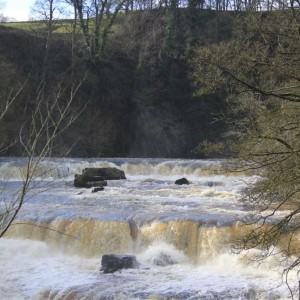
x=182, y=235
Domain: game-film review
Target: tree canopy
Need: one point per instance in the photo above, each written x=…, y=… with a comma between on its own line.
x=258, y=70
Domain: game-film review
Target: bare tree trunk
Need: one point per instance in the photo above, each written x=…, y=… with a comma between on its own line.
x=37, y=137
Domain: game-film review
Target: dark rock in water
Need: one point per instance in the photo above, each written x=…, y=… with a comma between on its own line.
x=97, y=189
x=163, y=260
x=90, y=184
x=111, y=263
x=182, y=181
x=106, y=173
x=82, y=180
x=210, y=183
x=95, y=177
x=214, y=183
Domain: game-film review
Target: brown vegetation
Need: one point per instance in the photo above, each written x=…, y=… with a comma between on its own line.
x=139, y=97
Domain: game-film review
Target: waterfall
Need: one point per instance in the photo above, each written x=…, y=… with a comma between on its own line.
x=94, y=238
x=182, y=236
x=66, y=168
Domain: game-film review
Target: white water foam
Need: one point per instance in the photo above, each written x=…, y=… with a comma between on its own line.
x=31, y=270
x=139, y=198
x=67, y=167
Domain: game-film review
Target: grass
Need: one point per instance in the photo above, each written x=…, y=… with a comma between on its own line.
x=61, y=26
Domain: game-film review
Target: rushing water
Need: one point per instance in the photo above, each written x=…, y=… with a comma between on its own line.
x=55, y=250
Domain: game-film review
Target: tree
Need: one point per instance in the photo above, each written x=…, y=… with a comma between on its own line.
x=49, y=109
x=49, y=12
x=96, y=18
x=38, y=136
x=258, y=72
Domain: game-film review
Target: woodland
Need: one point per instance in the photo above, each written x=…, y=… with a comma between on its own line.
x=180, y=79
x=141, y=91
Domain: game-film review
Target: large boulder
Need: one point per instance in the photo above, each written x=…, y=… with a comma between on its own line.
x=111, y=263
x=182, y=181
x=87, y=181
x=106, y=173
x=99, y=184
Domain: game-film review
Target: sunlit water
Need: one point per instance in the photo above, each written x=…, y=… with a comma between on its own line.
x=56, y=252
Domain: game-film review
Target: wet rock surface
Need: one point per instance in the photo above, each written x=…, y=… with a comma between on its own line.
x=182, y=181
x=111, y=263
x=106, y=173
x=96, y=177
x=86, y=181
x=97, y=189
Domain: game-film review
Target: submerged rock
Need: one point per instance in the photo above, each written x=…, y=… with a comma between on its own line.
x=214, y=183
x=163, y=260
x=97, y=189
x=106, y=173
x=111, y=263
x=182, y=181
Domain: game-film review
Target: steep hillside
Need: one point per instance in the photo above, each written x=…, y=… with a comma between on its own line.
x=138, y=97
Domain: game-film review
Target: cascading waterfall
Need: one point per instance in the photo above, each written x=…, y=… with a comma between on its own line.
x=94, y=238
x=182, y=235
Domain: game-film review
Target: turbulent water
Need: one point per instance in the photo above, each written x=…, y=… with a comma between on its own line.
x=181, y=235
